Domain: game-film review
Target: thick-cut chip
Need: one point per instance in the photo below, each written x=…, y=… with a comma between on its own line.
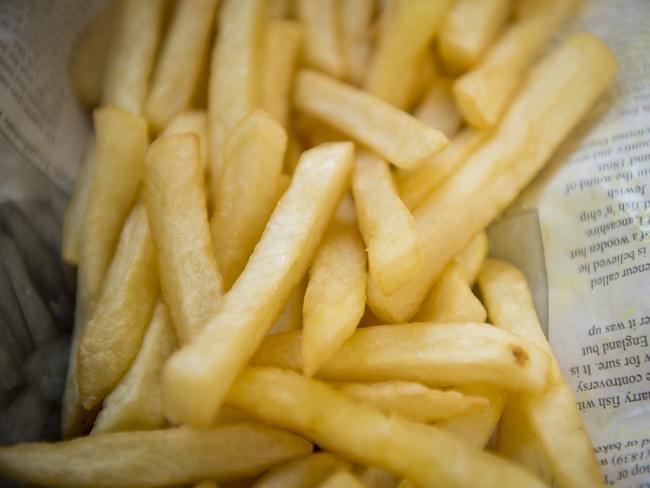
x=175, y=201
x=197, y=377
x=438, y=109
x=119, y=320
x=342, y=479
x=305, y=472
x=180, y=62
x=364, y=434
x=470, y=260
x=195, y=122
x=451, y=300
x=559, y=91
x=136, y=402
x=88, y=60
x=404, y=38
x=554, y=416
x=483, y=93
x=468, y=29
x=133, y=52
x=233, y=89
x=356, y=18
x=323, y=49
x=291, y=316
x=336, y=292
x=414, y=401
x=415, y=185
x=431, y=354
x=74, y=212
x=253, y=157
x=391, y=133
x=387, y=226
x=155, y=458
x=282, y=49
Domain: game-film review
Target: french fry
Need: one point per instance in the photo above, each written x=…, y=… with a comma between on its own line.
x=323, y=49
x=283, y=47
x=295, y=148
x=88, y=60
x=291, y=316
x=356, y=18
x=365, y=435
x=554, y=416
x=303, y=472
x=233, y=87
x=342, y=479
x=314, y=131
x=391, y=133
x=179, y=65
x=74, y=212
x=132, y=55
x=558, y=92
x=414, y=401
x=153, y=458
x=404, y=38
x=192, y=121
x=470, y=260
x=451, y=300
x=206, y=484
x=430, y=354
x=176, y=206
x=421, y=79
x=415, y=185
x=336, y=291
x=374, y=477
x=483, y=93
x=123, y=310
x=253, y=157
x=387, y=226
x=280, y=9
x=281, y=257
x=136, y=403
x=438, y=109
x=468, y=30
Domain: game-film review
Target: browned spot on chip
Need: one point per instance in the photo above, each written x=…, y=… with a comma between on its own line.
x=521, y=356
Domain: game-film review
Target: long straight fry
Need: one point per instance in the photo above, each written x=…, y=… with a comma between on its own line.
x=323, y=48
x=356, y=18
x=558, y=92
x=193, y=394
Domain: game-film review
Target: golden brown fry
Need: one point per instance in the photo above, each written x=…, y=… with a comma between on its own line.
x=471, y=259
x=391, y=133
x=438, y=109
x=558, y=92
x=356, y=18
x=554, y=416
x=323, y=49
x=404, y=38
x=387, y=226
x=308, y=471
x=175, y=201
x=365, y=435
x=180, y=62
x=195, y=122
x=430, y=354
x=192, y=393
x=483, y=93
x=132, y=54
x=468, y=29
x=123, y=310
x=136, y=402
x=154, y=458
x=282, y=49
x=342, y=479
x=253, y=157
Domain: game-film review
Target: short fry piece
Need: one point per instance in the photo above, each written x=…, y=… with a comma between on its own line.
x=387, y=226
x=180, y=62
x=193, y=394
x=554, y=416
x=468, y=29
x=175, y=202
x=342, y=479
x=155, y=458
x=471, y=259
x=430, y=354
x=356, y=18
x=304, y=472
x=132, y=55
x=336, y=293
x=323, y=48
x=195, y=122
x=404, y=38
x=123, y=310
x=391, y=133
x=253, y=158
x=136, y=402
x=365, y=435
x=438, y=109
x=414, y=401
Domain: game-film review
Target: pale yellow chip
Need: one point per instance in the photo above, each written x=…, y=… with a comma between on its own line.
x=303, y=472
x=342, y=479
x=356, y=19
x=323, y=47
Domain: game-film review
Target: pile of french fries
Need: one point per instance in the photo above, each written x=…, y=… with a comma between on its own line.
x=279, y=236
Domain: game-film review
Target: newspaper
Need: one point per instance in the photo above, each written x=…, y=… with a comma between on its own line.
x=581, y=232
